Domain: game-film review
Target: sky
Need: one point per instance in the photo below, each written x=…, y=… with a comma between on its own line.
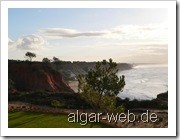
x=125, y=35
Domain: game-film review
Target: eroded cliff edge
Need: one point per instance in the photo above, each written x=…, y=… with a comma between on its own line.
x=35, y=76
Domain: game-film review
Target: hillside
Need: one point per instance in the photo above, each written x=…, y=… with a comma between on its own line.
x=70, y=70
x=32, y=76
x=51, y=77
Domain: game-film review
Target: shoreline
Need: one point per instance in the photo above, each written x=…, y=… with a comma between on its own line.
x=74, y=86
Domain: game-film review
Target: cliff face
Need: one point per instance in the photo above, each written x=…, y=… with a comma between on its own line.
x=31, y=76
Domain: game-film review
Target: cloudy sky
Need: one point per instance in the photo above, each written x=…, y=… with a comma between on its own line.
x=125, y=35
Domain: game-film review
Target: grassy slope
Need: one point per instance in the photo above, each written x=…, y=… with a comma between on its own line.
x=42, y=120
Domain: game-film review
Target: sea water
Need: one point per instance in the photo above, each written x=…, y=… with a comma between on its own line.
x=144, y=82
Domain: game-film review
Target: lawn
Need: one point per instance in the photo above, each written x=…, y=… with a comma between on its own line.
x=43, y=120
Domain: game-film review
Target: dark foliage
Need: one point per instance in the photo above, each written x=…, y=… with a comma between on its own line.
x=69, y=100
x=157, y=103
x=30, y=55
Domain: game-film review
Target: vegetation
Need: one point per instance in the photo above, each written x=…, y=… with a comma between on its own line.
x=10, y=84
x=66, y=100
x=69, y=70
x=42, y=120
x=46, y=60
x=101, y=85
x=56, y=60
x=161, y=102
x=163, y=96
x=56, y=103
x=30, y=55
x=74, y=101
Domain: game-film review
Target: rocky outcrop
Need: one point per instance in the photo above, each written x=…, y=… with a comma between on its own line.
x=163, y=96
x=35, y=76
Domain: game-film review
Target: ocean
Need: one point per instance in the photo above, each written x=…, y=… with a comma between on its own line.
x=144, y=82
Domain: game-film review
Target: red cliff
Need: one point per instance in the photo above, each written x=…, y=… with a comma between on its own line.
x=35, y=76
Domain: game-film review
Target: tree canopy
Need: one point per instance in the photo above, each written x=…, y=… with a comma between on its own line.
x=46, y=60
x=30, y=55
x=101, y=85
x=56, y=60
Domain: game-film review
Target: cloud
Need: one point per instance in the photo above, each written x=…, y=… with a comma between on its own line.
x=10, y=43
x=29, y=42
x=68, y=33
x=151, y=32
x=140, y=32
x=154, y=50
x=9, y=40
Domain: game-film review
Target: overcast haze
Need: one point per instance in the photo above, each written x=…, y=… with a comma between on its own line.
x=125, y=35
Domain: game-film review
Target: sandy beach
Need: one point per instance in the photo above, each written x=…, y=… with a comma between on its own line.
x=73, y=85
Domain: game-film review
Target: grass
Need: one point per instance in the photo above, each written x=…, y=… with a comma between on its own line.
x=43, y=120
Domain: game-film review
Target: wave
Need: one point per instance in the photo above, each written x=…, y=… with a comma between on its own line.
x=151, y=66
x=145, y=81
